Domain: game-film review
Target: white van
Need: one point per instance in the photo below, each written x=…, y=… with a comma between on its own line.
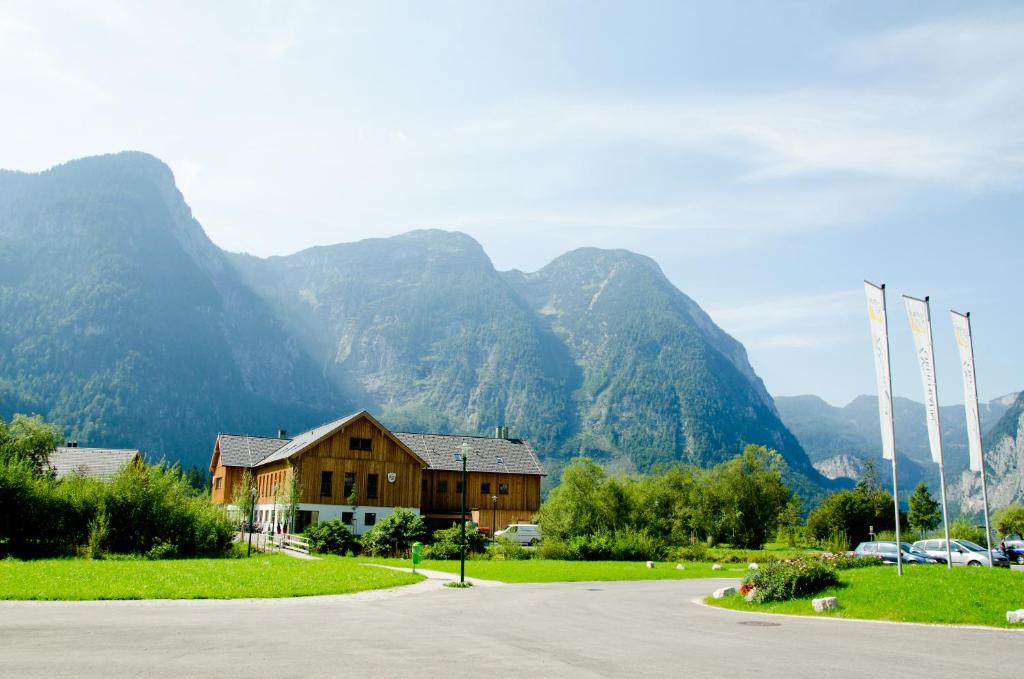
x=523, y=533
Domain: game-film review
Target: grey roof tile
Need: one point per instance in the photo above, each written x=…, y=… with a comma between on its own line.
x=307, y=438
x=516, y=455
x=97, y=463
x=247, y=451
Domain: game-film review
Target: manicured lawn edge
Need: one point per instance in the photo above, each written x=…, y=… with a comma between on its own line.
x=927, y=595
x=265, y=576
x=548, y=570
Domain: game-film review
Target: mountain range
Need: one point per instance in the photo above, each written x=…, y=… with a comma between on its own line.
x=839, y=439
x=122, y=322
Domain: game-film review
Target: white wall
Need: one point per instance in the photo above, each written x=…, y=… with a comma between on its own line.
x=332, y=512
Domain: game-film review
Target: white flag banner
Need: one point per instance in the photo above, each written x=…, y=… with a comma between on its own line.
x=880, y=345
x=921, y=329
x=964, y=343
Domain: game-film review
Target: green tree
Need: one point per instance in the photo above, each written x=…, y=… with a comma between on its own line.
x=394, y=534
x=923, y=512
x=573, y=508
x=868, y=481
x=747, y=493
x=851, y=513
x=789, y=519
x=28, y=439
x=242, y=496
x=1009, y=520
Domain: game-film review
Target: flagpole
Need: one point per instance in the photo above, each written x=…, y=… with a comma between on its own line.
x=938, y=427
x=984, y=482
x=883, y=378
x=919, y=314
x=895, y=482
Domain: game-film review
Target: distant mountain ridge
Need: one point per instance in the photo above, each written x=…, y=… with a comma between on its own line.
x=838, y=439
x=120, y=320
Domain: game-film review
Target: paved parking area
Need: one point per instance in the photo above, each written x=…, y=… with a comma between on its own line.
x=650, y=628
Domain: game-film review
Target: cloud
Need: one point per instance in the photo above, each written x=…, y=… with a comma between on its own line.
x=793, y=322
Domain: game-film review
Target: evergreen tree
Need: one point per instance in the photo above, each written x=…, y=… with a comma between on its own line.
x=868, y=481
x=923, y=514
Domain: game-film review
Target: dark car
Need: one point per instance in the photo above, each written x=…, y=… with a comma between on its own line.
x=907, y=547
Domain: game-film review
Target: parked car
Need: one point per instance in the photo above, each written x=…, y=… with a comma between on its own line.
x=907, y=547
x=886, y=551
x=1014, y=548
x=964, y=552
x=523, y=533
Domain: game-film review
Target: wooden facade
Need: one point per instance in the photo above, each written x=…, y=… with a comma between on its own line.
x=224, y=478
x=441, y=496
x=364, y=456
x=386, y=457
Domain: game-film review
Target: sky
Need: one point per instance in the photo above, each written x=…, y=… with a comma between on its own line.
x=770, y=156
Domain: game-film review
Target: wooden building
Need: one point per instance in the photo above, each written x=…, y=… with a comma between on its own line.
x=355, y=470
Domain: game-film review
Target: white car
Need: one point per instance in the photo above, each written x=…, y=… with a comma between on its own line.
x=523, y=533
x=965, y=552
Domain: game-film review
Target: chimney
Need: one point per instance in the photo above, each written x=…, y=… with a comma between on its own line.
x=282, y=434
x=72, y=444
x=497, y=432
x=504, y=433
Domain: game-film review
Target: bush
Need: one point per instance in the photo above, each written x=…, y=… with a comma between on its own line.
x=842, y=562
x=622, y=545
x=394, y=534
x=507, y=550
x=331, y=537
x=447, y=541
x=698, y=551
x=138, y=509
x=784, y=580
x=151, y=505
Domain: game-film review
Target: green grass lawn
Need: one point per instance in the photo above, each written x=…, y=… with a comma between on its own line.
x=545, y=570
x=263, y=576
x=929, y=594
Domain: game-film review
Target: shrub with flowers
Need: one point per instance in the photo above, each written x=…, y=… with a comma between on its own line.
x=785, y=580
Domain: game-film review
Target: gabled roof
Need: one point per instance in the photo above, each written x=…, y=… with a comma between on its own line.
x=516, y=456
x=97, y=463
x=247, y=451
x=307, y=438
x=314, y=436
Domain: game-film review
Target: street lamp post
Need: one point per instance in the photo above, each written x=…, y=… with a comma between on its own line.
x=465, y=449
x=252, y=515
x=494, y=518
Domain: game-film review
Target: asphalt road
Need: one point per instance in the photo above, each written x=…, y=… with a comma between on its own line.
x=650, y=628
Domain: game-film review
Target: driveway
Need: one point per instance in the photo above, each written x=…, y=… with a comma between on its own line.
x=608, y=629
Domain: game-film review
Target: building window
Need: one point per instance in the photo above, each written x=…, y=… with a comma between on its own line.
x=350, y=484
x=325, y=483
x=485, y=488
x=369, y=519
x=356, y=443
x=347, y=517
x=371, y=486
x=442, y=486
x=502, y=489
x=458, y=487
x=218, y=482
